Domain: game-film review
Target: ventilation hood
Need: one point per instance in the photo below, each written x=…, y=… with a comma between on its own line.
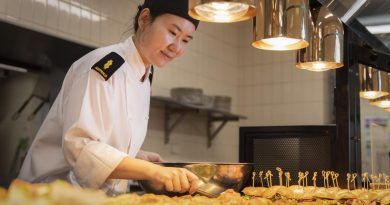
x=32, y=51
x=369, y=19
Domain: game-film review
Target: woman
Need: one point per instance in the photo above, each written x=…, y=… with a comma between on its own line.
x=97, y=124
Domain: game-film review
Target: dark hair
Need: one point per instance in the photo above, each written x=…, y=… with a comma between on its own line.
x=153, y=15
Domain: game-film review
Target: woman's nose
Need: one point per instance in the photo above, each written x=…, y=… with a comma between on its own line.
x=175, y=47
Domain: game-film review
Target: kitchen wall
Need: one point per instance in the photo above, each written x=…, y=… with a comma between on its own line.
x=264, y=85
x=274, y=92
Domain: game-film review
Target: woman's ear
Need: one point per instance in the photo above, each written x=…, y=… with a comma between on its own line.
x=144, y=18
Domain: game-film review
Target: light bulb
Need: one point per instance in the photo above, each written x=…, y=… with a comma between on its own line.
x=280, y=41
x=371, y=94
x=222, y=11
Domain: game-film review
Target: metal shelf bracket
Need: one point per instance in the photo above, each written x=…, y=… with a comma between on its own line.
x=168, y=125
x=212, y=134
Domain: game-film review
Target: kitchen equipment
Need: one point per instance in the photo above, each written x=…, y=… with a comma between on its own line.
x=222, y=103
x=187, y=95
x=208, y=101
x=294, y=148
x=214, y=178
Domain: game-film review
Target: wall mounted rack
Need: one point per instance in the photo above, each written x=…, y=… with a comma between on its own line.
x=175, y=112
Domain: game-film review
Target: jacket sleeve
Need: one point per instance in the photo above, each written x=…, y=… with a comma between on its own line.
x=87, y=121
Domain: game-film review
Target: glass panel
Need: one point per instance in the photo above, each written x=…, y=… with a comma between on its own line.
x=375, y=138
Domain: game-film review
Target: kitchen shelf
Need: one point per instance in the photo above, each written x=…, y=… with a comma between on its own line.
x=175, y=112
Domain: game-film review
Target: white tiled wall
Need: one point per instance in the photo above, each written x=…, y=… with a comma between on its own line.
x=264, y=85
x=91, y=22
x=273, y=92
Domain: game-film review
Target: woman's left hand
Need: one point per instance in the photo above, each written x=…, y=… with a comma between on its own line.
x=149, y=156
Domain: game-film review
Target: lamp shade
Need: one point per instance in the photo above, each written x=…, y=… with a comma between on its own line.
x=382, y=102
x=222, y=11
x=281, y=24
x=326, y=47
x=373, y=83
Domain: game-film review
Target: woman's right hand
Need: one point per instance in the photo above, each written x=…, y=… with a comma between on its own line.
x=176, y=179
x=173, y=179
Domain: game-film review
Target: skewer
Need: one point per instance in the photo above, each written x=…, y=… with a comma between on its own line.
x=364, y=180
x=300, y=178
x=374, y=180
x=332, y=177
x=327, y=178
x=348, y=180
x=314, y=179
x=261, y=178
x=280, y=173
x=354, y=175
x=288, y=178
x=266, y=177
x=270, y=177
x=336, y=176
x=386, y=178
x=253, y=178
x=305, y=178
x=324, y=176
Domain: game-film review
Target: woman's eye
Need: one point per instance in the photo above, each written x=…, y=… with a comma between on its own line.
x=173, y=33
x=186, y=41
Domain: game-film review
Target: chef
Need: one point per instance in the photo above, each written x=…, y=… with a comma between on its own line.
x=93, y=133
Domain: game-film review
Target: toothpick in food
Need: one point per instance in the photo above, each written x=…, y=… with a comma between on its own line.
x=386, y=178
x=336, y=176
x=324, y=176
x=261, y=178
x=253, y=178
x=332, y=177
x=300, y=178
x=270, y=177
x=266, y=177
x=305, y=178
x=280, y=174
x=314, y=179
x=288, y=178
x=327, y=178
x=354, y=175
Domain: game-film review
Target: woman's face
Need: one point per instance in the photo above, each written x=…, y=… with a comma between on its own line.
x=164, y=39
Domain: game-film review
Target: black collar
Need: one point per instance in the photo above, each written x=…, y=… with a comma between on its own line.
x=151, y=75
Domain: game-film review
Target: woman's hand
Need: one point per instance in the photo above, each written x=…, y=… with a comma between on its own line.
x=176, y=179
x=171, y=178
x=149, y=156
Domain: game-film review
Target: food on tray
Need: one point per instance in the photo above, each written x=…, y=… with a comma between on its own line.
x=259, y=201
x=254, y=191
x=271, y=192
x=385, y=199
x=318, y=195
x=56, y=193
x=3, y=195
x=61, y=193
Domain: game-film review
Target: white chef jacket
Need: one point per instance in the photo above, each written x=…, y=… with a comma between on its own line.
x=93, y=124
